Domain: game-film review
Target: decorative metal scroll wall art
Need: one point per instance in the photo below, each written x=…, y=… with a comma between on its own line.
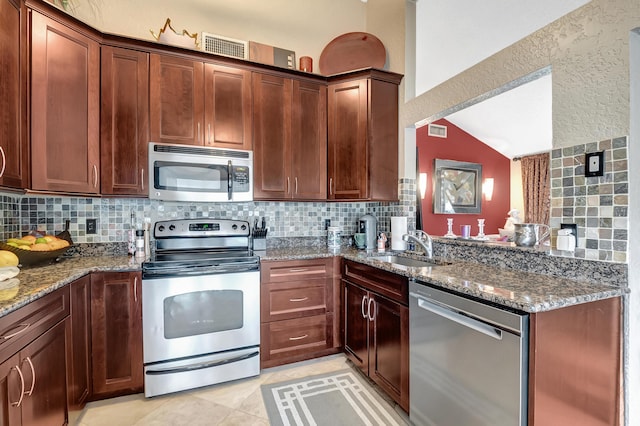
x=458, y=187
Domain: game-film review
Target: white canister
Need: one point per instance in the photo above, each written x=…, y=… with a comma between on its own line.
x=333, y=236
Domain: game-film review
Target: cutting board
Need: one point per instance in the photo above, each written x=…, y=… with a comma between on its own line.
x=352, y=51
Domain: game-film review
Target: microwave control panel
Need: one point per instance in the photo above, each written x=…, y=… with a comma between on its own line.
x=241, y=179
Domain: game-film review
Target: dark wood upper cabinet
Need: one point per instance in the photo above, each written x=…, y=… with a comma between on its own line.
x=116, y=334
x=14, y=152
x=348, y=148
x=176, y=100
x=124, y=127
x=65, y=108
x=227, y=107
x=309, y=141
x=272, y=136
x=363, y=136
x=199, y=103
x=290, y=142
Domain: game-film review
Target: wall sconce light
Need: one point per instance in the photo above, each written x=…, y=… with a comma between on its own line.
x=487, y=188
x=422, y=184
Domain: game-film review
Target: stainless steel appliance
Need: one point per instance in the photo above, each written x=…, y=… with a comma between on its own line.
x=199, y=173
x=200, y=305
x=468, y=361
x=367, y=225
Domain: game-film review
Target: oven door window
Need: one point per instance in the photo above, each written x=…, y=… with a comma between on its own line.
x=202, y=312
x=190, y=177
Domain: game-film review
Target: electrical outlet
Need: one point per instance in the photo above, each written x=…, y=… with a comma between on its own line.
x=327, y=224
x=92, y=225
x=573, y=227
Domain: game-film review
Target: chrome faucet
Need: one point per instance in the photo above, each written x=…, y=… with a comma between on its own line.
x=419, y=238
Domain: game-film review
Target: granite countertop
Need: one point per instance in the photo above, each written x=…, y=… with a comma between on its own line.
x=524, y=291
x=37, y=281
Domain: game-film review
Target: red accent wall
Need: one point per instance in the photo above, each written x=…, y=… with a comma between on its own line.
x=461, y=146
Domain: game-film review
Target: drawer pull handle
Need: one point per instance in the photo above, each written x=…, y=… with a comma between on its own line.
x=298, y=270
x=300, y=299
x=17, y=404
x=9, y=336
x=304, y=336
x=33, y=377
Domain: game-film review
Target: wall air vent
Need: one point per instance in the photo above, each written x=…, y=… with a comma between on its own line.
x=219, y=45
x=437, y=130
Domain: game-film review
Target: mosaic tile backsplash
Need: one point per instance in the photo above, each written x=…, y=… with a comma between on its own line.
x=21, y=214
x=598, y=205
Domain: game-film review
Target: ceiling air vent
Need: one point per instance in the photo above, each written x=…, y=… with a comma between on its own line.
x=212, y=43
x=437, y=131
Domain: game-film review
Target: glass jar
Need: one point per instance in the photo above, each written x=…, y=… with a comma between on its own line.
x=333, y=236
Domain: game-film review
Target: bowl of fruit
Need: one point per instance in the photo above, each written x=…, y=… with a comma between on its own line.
x=35, y=248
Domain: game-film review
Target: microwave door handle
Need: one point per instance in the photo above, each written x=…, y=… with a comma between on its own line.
x=229, y=180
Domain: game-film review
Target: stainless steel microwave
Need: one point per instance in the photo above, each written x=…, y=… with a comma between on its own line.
x=199, y=174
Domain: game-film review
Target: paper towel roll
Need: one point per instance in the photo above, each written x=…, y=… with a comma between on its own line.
x=398, y=229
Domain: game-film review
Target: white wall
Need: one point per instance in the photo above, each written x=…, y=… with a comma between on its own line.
x=632, y=308
x=304, y=26
x=453, y=35
x=588, y=52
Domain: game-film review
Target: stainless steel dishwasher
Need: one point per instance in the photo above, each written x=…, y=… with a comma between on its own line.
x=468, y=361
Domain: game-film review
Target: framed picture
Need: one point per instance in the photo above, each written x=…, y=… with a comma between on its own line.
x=458, y=187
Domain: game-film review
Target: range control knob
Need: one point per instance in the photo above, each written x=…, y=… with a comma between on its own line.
x=161, y=228
x=234, y=226
x=243, y=227
x=172, y=227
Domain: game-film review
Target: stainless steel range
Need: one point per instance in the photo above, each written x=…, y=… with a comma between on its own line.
x=200, y=305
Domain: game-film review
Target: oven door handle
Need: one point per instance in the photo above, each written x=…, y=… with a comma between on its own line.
x=202, y=365
x=229, y=180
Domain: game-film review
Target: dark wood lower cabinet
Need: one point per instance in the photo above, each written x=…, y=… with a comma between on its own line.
x=79, y=344
x=376, y=328
x=116, y=334
x=33, y=382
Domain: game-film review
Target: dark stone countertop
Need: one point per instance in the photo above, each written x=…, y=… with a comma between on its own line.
x=525, y=291
x=37, y=281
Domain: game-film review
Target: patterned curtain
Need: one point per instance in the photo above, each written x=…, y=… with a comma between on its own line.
x=536, y=185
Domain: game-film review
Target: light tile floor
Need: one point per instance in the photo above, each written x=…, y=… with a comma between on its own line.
x=236, y=403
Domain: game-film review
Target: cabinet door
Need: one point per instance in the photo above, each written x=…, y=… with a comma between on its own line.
x=65, y=108
x=309, y=141
x=389, y=348
x=116, y=333
x=176, y=100
x=78, y=344
x=356, y=325
x=10, y=387
x=124, y=127
x=227, y=107
x=272, y=137
x=14, y=154
x=43, y=365
x=348, y=147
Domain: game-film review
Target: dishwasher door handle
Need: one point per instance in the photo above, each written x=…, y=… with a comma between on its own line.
x=463, y=320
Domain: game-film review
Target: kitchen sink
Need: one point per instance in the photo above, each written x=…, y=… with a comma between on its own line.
x=408, y=261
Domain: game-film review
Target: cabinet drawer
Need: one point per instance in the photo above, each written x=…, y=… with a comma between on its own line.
x=24, y=325
x=388, y=284
x=294, y=299
x=295, y=270
x=288, y=338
